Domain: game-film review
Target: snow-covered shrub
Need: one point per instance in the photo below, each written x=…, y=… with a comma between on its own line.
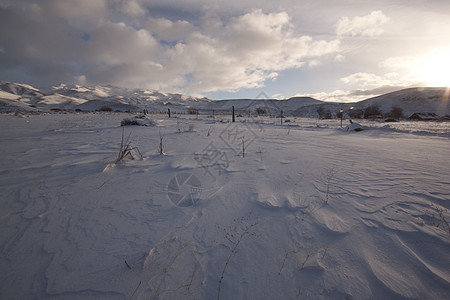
x=129, y=122
x=137, y=122
x=353, y=127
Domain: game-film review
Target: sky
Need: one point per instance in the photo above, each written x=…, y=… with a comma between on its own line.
x=332, y=50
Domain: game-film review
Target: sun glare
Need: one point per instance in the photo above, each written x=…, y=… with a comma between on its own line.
x=434, y=68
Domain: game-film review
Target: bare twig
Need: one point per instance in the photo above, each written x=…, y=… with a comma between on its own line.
x=441, y=215
x=189, y=284
x=234, y=237
x=128, y=266
x=329, y=175
x=126, y=150
x=443, y=224
x=285, y=258
x=311, y=252
x=305, y=261
x=135, y=290
x=325, y=251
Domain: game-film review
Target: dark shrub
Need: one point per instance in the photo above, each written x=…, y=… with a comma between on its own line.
x=261, y=111
x=372, y=111
x=396, y=112
x=192, y=111
x=355, y=113
x=324, y=113
x=129, y=122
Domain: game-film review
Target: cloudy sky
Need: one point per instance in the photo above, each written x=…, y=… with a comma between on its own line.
x=339, y=50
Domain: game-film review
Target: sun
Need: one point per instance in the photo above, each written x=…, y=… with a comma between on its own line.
x=434, y=68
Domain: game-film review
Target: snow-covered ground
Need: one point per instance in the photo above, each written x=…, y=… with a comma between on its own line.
x=245, y=210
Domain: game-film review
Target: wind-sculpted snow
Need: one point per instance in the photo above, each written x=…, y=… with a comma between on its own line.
x=304, y=210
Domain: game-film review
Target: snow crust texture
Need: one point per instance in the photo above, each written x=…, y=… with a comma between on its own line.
x=275, y=212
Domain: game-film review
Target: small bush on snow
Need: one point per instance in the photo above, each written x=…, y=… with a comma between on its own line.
x=137, y=122
x=129, y=122
x=126, y=150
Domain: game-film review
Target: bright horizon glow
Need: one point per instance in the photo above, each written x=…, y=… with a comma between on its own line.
x=434, y=68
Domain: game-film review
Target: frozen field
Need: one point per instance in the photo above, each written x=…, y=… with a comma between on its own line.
x=245, y=210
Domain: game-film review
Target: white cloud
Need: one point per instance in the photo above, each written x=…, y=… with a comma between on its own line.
x=249, y=50
x=114, y=43
x=259, y=22
x=314, y=63
x=369, y=25
x=340, y=96
x=362, y=81
x=339, y=58
x=243, y=53
x=79, y=10
x=121, y=55
x=132, y=8
x=347, y=96
x=84, y=41
x=399, y=62
x=334, y=96
x=365, y=79
x=169, y=31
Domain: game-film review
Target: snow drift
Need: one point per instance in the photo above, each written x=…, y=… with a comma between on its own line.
x=308, y=212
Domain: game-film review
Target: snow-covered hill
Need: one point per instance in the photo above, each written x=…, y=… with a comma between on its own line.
x=265, y=106
x=71, y=97
x=413, y=100
x=22, y=97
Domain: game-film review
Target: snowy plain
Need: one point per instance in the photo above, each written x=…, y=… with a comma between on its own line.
x=245, y=210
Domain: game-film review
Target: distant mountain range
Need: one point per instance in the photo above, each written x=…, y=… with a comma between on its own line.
x=22, y=97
